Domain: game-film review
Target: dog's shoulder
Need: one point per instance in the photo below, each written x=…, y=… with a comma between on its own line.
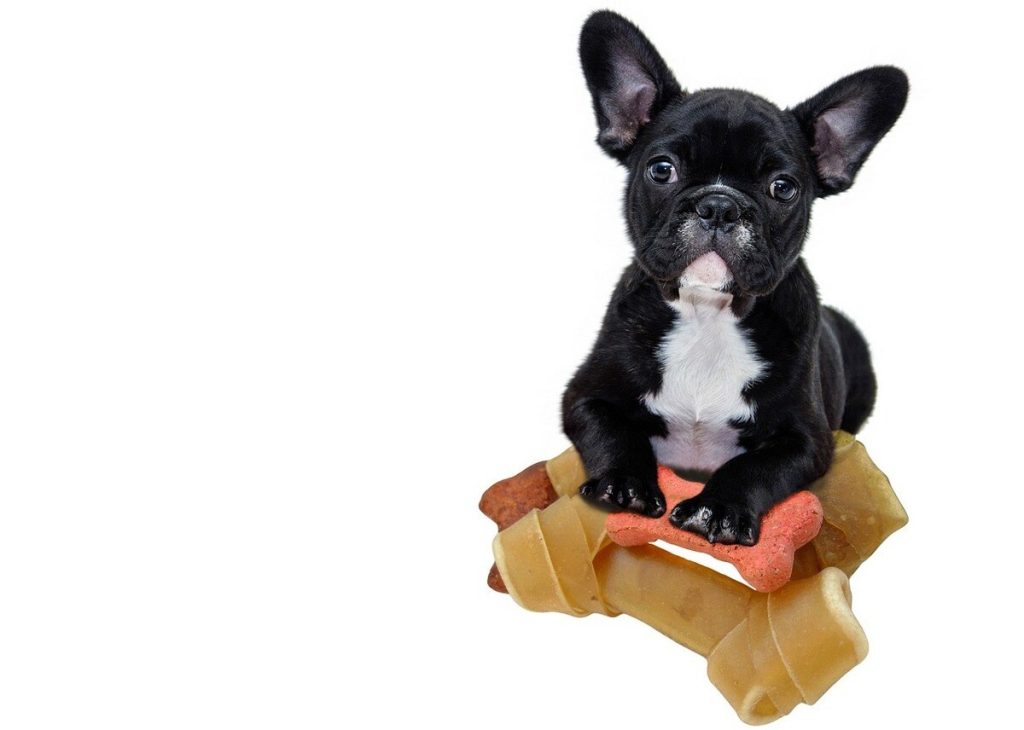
x=636, y=311
x=622, y=363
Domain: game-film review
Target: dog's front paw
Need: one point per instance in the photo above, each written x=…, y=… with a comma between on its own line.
x=717, y=520
x=619, y=493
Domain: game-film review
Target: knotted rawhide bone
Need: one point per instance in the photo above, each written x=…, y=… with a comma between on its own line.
x=860, y=508
x=766, y=652
x=768, y=565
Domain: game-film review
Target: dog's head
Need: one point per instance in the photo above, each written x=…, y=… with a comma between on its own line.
x=721, y=181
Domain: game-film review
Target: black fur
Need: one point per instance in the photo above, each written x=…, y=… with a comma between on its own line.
x=734, y=144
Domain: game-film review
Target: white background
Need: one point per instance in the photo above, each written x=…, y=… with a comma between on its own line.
x=285, y=286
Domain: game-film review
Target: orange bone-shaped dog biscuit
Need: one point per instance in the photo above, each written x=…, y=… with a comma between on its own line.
x=766, y=566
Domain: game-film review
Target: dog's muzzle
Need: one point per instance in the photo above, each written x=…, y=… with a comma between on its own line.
x=717, y=221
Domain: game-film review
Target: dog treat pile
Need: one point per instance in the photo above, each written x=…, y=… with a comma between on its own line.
x=766, y=652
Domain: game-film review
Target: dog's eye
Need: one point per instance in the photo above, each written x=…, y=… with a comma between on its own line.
x=783, y=188
x=662, y=172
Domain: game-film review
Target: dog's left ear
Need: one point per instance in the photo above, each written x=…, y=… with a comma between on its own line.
x=845, y=122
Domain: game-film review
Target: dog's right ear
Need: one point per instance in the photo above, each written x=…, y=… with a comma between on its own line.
x=628, y=80
x=844, y=122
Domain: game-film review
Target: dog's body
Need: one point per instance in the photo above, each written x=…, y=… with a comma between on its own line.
x=715, y=355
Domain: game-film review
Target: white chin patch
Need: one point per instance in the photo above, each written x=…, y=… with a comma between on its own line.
x=709, y=271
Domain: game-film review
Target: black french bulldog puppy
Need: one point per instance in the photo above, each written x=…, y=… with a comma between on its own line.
x=715, y=356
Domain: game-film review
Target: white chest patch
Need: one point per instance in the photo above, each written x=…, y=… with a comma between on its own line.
x=706, y=362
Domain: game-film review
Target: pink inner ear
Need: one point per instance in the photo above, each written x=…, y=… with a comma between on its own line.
x=628, y=106
x=836, y=145
x=640, y=99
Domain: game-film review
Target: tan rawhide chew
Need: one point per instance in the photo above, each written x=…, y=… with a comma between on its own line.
x=861, y=510
x=766, y=652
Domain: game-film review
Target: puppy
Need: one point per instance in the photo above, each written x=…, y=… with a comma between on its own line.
x=715, y=356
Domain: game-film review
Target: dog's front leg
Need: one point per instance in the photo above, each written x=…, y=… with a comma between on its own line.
x=617, y=455
x=742, y=490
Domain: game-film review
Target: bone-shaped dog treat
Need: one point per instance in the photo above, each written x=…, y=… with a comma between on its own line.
x=766, y=566
x=860, y=508
x=766, y=652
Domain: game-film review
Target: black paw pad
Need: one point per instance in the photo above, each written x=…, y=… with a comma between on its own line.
x=618, y=493
x=717, y=521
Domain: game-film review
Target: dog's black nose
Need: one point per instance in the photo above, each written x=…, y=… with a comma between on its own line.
x=718, y=211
